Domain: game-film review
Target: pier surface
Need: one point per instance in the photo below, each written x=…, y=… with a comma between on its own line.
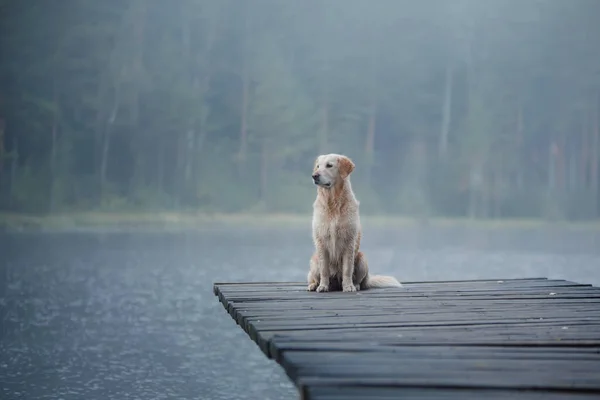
x=516, y=338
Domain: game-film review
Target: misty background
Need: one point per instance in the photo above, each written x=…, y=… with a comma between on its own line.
x=449, y=108
x=195, y=111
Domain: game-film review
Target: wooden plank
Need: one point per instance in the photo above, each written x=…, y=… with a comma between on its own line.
x=302, y=283
x=352, y=392
x=423, y=323
x=471, y=283
x=545, y=350
x=453, y=332
x=378, y=294
x=262, y=289
x=459, y=335
x=407, y=290
x=460, y=339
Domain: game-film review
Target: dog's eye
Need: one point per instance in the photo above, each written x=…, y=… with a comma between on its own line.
x=328, y=165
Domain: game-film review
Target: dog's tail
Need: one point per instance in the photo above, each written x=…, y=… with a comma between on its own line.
x=381, y=281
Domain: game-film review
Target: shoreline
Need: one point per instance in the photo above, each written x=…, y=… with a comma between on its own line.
x=190, y=221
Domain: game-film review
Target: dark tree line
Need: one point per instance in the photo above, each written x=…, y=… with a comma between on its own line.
x=479, y=108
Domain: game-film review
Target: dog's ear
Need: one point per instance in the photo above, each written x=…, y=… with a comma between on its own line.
x=346, y=166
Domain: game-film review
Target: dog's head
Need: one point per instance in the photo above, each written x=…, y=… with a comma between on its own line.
x=331, y=169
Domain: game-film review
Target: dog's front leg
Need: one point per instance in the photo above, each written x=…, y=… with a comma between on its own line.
x=313, y=273
x=323, y=270
x=348, y=271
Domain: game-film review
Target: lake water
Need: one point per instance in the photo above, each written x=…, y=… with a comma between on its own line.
x=133, y=316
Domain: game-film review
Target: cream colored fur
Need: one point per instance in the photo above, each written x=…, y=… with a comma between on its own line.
x=336, y=230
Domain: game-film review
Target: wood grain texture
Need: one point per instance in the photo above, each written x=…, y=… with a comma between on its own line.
x=522, y=338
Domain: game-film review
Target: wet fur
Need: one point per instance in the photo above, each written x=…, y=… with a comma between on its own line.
x=338, y=263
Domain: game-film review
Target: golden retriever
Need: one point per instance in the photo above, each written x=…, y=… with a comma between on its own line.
x=336, y=230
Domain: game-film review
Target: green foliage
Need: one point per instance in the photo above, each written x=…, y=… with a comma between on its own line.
x=222, y=106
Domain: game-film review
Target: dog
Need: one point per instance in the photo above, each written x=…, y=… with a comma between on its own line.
x=336, y=231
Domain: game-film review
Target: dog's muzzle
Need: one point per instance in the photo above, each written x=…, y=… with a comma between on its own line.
x=316, y=178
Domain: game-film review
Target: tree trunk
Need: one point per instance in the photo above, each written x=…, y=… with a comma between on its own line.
x=475, y=164
x=160, y=168
x=104, y=160
x=201, y=132
x=139, y=33
x=496, y=188
x=324, y=136
x=476, y=183
x=553, y=181
x=325, y=100
x=190, y=145
x=552, y=151
x=244, y=106
x=594, y=156
x=244, y=120
x=2, y=148
x=190, y=134
x=561, y=165
x=106, y=145
x=180, y=155
x=519, y=145
x=14, y=165
x=446, y=112
x=573, y=179
x=372, y=123
x=201, y=79
x=486, y=196
x=472, y=205
x=138, y=177
x=583, y=159
x=105, y=118
x=370, y=141
x=264, y=164
x=53, y=149
x=100, y=125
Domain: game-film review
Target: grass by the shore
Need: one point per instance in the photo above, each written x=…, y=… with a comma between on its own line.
x=169, y=221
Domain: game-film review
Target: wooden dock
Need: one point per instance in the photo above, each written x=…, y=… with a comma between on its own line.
x=487, y=339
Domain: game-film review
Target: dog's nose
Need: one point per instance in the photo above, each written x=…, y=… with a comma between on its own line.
x=316, y=177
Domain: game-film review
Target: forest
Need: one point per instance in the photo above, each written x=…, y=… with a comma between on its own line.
x=463, y=108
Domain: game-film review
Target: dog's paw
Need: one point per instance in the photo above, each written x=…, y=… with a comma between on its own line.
x=312, y=287
x=357, y=287
x=323, y=288
x=349, y=288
